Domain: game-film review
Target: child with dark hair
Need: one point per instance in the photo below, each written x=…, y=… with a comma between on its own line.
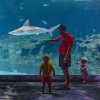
x=83, y=69
x=46, y=71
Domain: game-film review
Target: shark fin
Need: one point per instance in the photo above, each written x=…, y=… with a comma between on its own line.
x=26, y=23
x=53, y=28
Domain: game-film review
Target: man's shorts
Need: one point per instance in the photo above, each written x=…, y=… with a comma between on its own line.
x=67, y=63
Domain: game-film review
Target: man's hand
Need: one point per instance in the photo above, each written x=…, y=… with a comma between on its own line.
x=47, y=40
x=65, y=59
x=53, y=74
x=51, y=40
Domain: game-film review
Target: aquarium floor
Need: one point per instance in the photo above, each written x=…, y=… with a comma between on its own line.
x=31, y=91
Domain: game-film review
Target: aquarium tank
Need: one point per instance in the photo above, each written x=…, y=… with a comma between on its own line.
x=22, y=54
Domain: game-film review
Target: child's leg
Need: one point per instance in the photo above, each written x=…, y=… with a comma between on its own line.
x=84, y=76
x=49, y=82
x=83, y=79
x=43, y=84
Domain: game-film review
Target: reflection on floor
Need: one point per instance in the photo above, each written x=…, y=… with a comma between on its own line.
x=31, y=91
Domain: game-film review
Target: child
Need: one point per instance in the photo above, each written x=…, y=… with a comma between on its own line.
x=46, y=68
x=83, y=68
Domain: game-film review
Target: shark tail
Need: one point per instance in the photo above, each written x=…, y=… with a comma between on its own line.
x=53, y=29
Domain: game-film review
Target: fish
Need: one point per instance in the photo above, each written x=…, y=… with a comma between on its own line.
x=45, y=5
x=44, y=22
x=27, y=29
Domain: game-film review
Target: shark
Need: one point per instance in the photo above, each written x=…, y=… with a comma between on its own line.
x=27, y=29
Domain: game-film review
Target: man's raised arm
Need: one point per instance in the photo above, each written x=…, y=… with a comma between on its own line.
x=52, y=40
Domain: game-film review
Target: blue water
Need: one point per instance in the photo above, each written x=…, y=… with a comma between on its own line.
x=18, y=55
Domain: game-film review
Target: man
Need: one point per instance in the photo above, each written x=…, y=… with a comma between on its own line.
x=65, y=48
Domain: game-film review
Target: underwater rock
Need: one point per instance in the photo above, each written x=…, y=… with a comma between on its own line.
x=87, y=42
x=34, y=41
x=25, y=52
x=98, y=47
x=89, y=47
x=84, y=48
x=5, y=54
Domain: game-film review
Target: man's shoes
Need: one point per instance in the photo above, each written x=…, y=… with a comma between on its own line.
x=67, y=88
x=42, y=91
x=83, y=82
x=49, y=92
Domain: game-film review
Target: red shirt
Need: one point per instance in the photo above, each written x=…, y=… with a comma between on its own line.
x=65, y=42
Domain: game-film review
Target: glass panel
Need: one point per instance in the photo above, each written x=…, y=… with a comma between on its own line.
x=21, y=51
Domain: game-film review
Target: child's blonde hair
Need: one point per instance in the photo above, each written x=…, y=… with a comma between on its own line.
x=46, y=56
x=84, y=59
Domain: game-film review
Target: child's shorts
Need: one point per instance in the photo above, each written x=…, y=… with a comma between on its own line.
x=47, y=80
x=84, y=72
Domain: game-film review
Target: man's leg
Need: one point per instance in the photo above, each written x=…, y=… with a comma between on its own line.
x=66, y=74
x=65, y=68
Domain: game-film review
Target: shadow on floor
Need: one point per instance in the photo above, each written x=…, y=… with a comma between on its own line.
x=31, y=91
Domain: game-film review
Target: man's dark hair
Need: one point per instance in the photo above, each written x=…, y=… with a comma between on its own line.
x=62, y=27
